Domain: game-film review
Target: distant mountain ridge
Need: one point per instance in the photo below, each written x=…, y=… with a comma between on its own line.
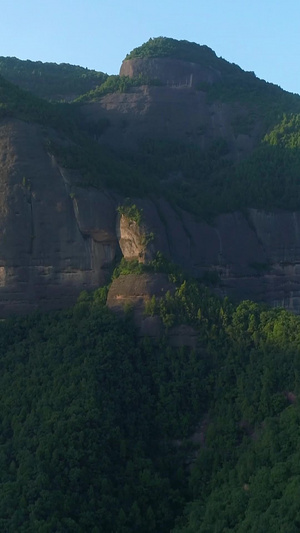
x=50, y=80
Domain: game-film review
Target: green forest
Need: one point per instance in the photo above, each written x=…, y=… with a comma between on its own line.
x=50, y=80
x=97, y=424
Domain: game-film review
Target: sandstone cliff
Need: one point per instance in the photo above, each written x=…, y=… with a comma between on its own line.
x=179, y=109
x=55, y=243
x=169, y=71
x=49, y=248
x=57, y=238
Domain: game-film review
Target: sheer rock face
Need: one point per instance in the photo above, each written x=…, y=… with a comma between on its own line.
x=136, y=240
x=131, y=293
x=131, y=239
x=255, y=256
x=181, y=114
x=134, y=290
x=50, y=249
x=173, y=72
x=54, y=244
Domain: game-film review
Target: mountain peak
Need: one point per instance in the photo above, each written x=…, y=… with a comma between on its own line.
x=152, y=58
x=172, y=62
x=167, y=47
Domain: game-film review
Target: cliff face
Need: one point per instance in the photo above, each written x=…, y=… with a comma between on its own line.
x=57, y=239
x=169, y=71
x=54, y=244
x=172, y=113
x=50, y=248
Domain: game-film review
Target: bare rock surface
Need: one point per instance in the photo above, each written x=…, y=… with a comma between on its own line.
x=174, y=72
x=182, y=114
x=47, y=254
x=130, y=293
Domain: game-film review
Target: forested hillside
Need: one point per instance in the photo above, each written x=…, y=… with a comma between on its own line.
x=50, y=80
x=96, y=429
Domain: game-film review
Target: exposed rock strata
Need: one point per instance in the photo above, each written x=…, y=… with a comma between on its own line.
x=255, y=256
x=132, y=289
x=178, y=110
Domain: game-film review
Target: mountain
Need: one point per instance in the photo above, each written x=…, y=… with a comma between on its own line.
x=207, y=152
x=154, y=403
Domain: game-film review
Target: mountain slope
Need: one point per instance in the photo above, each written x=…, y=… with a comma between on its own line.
x=103, y=430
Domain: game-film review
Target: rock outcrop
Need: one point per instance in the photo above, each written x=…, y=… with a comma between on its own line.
x=135, y=240
x=131, y=294
x=133, y=291
x=255, y=255
x=173, y=72
x=57, y=239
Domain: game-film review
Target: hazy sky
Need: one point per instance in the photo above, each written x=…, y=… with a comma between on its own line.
x=258, y=35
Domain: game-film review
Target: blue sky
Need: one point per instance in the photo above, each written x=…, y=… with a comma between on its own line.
x=259, y=35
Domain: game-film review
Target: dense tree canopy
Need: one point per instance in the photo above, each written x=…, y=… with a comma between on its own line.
x=50, y=80
x=96, y=423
